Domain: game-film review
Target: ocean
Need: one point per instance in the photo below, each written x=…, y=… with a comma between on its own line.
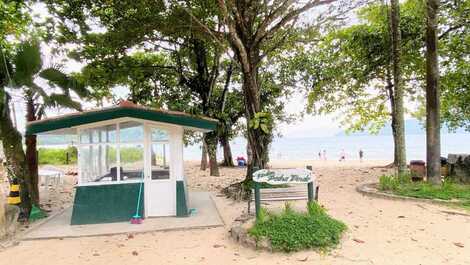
x=378, y=147
x=375, y=147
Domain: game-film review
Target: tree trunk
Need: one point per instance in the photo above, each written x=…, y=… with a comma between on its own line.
x=204, y=154
x=228, y=158
x=32, y=154
x=433, y=141
x=393, y=116
x=398, y=88
x=211, y=144
x=258, y=141
x=14, y=154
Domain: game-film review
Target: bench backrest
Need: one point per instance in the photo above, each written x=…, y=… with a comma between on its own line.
x=292, y=192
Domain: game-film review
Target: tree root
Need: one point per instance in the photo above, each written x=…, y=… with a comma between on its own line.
x=237, y=191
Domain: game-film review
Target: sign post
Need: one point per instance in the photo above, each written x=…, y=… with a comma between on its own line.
x=282, y=176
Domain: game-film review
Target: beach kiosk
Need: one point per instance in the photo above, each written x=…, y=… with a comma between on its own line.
x=121, y=147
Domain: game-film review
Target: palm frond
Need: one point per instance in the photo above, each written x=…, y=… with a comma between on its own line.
x=37, y=90
x=56, y=77
x=55, y=100
x=28, y=62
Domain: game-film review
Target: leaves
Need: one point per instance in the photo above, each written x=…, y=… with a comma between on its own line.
x=27, y=62
x=262, y=121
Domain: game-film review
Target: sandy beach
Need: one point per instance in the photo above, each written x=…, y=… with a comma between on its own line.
x=380, y=231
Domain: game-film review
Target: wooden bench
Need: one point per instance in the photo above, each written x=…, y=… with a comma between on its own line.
x=291, y=193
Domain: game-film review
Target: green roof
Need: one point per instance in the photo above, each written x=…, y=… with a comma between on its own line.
x=120, y=111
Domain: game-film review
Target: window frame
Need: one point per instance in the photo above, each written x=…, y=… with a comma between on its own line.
x=146, y=143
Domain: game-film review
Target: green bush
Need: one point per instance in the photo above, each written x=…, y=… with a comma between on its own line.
x=292, y=231
x=57, y=156
x=402, y=185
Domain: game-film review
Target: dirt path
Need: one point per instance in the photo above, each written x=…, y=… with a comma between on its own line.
x=380, y=231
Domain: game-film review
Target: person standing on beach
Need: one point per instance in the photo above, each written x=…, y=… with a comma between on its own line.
x=342, y=156
x=324, y=155
x=361, y=155
x=319, y=155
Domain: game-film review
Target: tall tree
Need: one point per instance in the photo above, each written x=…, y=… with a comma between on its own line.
x=349, y=71
x=398, y=121
x=13, y=21
x=433, y=141
x=27, y=67
x=255, y=30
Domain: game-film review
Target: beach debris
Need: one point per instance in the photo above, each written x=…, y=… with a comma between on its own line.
x=218, y=246
x=415, y=240
x=96, y=254
x=359, y=241
x=303, y=260
x=458, y=244
x=135, y=253
x=401, y=216
x=130, y=236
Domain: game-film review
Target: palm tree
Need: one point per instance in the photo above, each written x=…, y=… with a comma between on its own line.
x=27, y=66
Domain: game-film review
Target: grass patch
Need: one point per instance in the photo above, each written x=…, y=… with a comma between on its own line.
x=447, y=191
x=57, y=156
x=292, y=231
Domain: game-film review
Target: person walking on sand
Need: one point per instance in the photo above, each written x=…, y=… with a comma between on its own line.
x=319, y=155
x=361, y=155
x=342, y=156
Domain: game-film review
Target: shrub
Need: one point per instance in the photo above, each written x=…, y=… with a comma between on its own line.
x=292, y=231
x=57, y=156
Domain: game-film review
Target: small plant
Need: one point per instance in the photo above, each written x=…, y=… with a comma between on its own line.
x=292, y=231
x=263, y=215
x=392, y=182
x=388, y=183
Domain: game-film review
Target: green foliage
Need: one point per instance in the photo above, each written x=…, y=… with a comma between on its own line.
x=292, y=231
x=349, y=72
x=57, y=156
x=405, y=187
x=392, y=182
x=262, y=121
x=131, y=154
x=13, y=21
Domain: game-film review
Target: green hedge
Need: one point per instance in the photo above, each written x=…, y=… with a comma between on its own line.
x=57, y=156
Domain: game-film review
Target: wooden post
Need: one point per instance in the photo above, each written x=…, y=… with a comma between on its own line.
x=257, y=194
x=310, y=187
x=257, y=200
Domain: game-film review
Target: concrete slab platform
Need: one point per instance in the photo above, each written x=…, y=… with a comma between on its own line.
x=206, y=216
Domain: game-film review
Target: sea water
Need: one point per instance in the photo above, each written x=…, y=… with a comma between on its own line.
x=379, y=147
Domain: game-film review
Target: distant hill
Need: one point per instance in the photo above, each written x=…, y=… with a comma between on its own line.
x=412, y=126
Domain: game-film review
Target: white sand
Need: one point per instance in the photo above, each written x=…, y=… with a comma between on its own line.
x=423, y=234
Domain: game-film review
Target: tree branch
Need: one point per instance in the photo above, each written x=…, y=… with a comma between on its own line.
x=289, y=17
x=234, y=38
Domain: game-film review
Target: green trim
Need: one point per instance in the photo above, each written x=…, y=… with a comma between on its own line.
x=73, y=120
x=181, y=201
x=106, y=203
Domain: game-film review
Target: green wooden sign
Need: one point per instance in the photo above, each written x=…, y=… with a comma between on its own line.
x=283, y=176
